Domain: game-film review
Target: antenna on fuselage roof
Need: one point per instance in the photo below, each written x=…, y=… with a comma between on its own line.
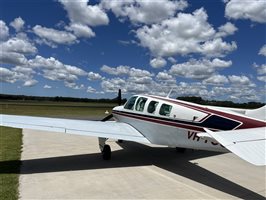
x=168, y=95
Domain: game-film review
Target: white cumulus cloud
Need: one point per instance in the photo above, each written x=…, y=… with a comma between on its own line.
x=6, y=75
x=94, y=76
x=235, y=93
x=134, y=72
x=123, y=70
x=79, y=12
x=199, y=69
x=120, y=70
x=164, y=76
x=47, y=87
x=261, y=71
x=30, y=83
x=262, y=78
x=217, y=47
x=81, y=30
x=74, y=86
x=172, y=60
x=55, y=70
x=158, y=62
x=226, y=29
x=91, y=89
x=13, y=58
x=144, y=11
x=27, y=71
x=113, y=85
x=263, y=50
x=18, y=45
x=4, y=30
x=216, y=79
x=253, y=10
x=184, y=34
x=17, y=24
x=56, y=36
x=18, y=73
x=240, y=80
x=14, y=49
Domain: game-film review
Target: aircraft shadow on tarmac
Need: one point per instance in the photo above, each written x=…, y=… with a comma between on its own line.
x=135, y=154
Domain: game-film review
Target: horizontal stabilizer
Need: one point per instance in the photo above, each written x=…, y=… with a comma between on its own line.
x=248, y=144
x=111, y=129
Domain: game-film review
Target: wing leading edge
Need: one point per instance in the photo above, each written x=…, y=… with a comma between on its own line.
x=112, y=129
x=248, y=144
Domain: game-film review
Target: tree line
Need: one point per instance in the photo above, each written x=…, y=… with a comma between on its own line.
x=56, y=99
x=231, y=104
x=193, y=99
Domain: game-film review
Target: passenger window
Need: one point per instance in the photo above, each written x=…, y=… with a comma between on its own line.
x=140, y=104
x=152, y=106
x=130, y=103
x=165, y=110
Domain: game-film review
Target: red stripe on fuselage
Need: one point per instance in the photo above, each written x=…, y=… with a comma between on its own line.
x=163, y=122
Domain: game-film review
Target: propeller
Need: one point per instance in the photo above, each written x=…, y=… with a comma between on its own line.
x=119, y=102
x=119, y=97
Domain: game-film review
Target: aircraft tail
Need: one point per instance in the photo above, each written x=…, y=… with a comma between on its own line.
x=259, y=113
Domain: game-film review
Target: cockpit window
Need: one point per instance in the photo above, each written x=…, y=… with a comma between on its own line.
x=165, y=110
x=152, y=106
x=140, y=104
x=130, y=103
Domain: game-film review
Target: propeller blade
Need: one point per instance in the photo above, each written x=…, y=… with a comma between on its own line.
x=119, y=97
x=107, y=118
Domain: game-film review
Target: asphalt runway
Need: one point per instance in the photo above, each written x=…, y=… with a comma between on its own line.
x=62, y=166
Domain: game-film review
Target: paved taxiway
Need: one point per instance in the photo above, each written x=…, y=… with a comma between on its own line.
x=61, y=166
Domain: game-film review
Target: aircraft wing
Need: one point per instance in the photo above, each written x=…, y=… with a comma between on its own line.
x=110, y=129
x=248, y=144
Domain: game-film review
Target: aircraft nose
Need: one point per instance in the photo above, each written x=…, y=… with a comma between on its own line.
x=117, y=108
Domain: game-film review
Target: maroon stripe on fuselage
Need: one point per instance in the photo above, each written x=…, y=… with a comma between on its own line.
x=246, y=122
x=161, y=121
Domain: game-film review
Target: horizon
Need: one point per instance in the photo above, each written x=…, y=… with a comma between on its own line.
x=89, y=49
x=123, y=98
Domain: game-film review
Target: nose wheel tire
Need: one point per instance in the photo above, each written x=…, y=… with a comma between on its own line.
x=106, y=152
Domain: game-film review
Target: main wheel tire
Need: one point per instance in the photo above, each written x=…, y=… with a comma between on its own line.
x=180, y=150
x=106, y=153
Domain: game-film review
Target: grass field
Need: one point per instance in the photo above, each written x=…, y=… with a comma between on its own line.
x=10, y=152
x=55, y=109
x=11, y=139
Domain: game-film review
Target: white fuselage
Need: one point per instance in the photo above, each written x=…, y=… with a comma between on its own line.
x=167, y=130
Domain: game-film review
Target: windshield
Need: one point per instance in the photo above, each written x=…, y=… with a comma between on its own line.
x=130, y=103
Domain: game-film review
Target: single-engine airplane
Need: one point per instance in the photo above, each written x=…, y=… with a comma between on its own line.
x=165, y=121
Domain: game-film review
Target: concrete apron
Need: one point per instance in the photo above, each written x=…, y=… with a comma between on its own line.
x=61, y=166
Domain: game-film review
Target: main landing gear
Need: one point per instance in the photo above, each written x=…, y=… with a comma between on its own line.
x=105, y=149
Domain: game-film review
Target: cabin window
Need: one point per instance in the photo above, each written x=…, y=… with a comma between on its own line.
x=165, y=110
x=152, y=106
x=140, y=104
x=130, y=103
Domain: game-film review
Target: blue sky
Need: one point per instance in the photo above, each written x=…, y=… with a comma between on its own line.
x=210, y=48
